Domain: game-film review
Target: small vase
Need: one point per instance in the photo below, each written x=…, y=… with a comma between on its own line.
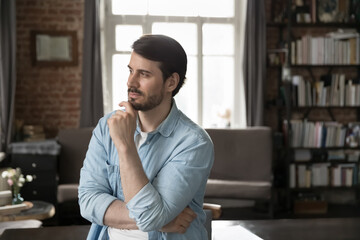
x=17, y=199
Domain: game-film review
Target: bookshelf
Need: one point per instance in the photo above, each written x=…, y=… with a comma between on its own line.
x=316, y=66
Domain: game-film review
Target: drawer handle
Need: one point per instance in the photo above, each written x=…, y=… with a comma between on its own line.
x=34, y=192
x=33, y=165
x=34, y=176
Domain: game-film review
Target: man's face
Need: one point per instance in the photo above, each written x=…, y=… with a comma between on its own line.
x=145, y=83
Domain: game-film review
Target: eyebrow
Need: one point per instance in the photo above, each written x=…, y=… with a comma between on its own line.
x=141, y=70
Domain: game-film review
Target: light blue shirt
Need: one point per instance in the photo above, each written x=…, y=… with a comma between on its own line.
x=176, y=157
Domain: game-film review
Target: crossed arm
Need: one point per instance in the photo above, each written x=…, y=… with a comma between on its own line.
x=117, y=216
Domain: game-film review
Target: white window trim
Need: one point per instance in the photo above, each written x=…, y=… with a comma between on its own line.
x=109, y=21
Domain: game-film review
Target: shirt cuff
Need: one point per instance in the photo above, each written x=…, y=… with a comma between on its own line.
x=105, y=201
x=142, y=201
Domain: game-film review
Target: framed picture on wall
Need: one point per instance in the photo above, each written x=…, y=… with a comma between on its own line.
x=54, y=48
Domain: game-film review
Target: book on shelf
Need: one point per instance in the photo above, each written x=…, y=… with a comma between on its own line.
x=344, y=175
x=352, y=155
x=309, y=134
x=334, y=48
x=323, y=175
x=330, y=91
x=320, y=174
x=336, y=155
x=277, y=57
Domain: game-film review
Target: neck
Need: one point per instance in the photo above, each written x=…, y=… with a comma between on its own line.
x=150, y=120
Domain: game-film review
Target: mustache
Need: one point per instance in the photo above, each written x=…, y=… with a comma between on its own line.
x=134, y=90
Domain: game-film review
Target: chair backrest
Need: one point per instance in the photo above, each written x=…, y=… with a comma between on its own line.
x=242, y=154
x=74, y=144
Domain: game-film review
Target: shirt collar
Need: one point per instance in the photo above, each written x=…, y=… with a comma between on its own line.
x=168, y=125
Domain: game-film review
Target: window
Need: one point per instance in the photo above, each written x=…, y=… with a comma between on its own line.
x=210, y=31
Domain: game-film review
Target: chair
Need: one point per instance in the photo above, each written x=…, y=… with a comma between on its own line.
x=242, y=167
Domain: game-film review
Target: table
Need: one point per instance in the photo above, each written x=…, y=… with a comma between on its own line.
x=53, y=233
x=40, y=211
x=275, y=229
x=284, y=229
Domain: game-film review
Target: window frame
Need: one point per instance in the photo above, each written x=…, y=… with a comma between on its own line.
x=108, y=25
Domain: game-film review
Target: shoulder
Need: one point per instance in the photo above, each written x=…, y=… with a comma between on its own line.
x=103, y=121
x=102, y=130
x=192, y=130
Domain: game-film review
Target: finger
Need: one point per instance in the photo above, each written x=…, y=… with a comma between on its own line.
x=190, y=212
x=182, y=230
x=185, y=224
x=118, y=113
x=187, y=218
x=128, y=107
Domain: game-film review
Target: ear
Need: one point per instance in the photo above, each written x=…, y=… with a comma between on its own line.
x=172, y=82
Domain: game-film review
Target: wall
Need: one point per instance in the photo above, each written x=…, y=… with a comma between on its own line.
x=48, y=96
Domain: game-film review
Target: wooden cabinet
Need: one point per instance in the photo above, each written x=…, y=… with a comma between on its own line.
x=43, y=169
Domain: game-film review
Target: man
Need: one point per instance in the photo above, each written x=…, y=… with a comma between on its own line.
x=146, y=168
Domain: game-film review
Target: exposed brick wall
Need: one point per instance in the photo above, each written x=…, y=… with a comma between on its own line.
x=48, y=96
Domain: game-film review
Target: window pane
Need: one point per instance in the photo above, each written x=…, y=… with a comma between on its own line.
x=218, y=39
x=173, y=8
x=186, y=99
x=184, y=33
x=133, y=7
x=120, y=73
x=218, y=88
x=126, y=35
x=217, y=8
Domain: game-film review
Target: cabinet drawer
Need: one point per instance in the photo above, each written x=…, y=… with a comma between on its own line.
x=42, y=178
x=34, y=162
x=43, y=193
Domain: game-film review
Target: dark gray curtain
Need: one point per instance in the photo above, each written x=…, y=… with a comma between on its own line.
x=7, y=70
x=91, y=90
x=255, y=62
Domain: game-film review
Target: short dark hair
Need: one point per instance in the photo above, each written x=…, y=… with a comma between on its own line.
x=167, y=51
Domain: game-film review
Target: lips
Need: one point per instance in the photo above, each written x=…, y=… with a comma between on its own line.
x=134, y=93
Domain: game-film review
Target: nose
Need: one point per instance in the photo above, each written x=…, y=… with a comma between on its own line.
x=133, y=80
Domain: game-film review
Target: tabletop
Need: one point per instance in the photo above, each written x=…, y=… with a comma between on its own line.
x=40, y=210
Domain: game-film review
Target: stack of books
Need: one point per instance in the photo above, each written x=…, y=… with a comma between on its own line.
x=33, y=133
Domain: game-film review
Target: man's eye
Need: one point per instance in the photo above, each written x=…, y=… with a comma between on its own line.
x=144, y=74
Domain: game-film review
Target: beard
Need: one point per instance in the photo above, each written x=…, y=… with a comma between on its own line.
x=150, y=101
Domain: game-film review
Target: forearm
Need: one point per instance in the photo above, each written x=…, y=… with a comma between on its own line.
x=117, y=216
x=133, y=177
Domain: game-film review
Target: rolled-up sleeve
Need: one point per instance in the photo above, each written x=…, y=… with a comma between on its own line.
x=174, y=187
x=94, y=188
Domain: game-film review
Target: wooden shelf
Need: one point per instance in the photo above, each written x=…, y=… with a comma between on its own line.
x=315, y=25
x=325, y=148
x=324, y=188
x=325, y=65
